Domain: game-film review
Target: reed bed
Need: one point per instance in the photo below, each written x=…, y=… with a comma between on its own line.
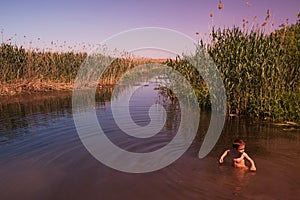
x=29, y=70
x=260, y=72
x=120, y=66
x=23, y=70
x=260, y=77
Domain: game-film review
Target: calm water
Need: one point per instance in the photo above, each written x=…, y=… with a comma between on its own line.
x=42, y=157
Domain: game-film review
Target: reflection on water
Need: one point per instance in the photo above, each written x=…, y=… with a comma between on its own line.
x=41, y=109
x=41, y=156
x=239, y=179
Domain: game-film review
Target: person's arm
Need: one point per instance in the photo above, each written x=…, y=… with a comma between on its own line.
x=221, y=160
x=252, y=168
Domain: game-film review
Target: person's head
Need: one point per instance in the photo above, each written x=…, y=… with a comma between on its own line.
x=239, y=145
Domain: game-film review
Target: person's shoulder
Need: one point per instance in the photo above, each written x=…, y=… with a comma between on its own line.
x=245, y=154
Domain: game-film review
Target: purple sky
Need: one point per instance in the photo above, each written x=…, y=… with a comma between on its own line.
x=91, y=22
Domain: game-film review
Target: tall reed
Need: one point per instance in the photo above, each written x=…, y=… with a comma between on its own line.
x=23, y=70
x=16, y=63
x=260, y=72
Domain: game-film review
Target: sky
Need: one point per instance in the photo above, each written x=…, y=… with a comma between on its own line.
x=76, y=23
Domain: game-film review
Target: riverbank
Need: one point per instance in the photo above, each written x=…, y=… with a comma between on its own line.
x=64, y=91
x=28, y=86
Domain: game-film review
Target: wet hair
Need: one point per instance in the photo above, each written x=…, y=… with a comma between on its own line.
x=237, y=143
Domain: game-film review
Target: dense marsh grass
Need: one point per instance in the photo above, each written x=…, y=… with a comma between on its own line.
x=260, y=72
x=18, y=63
x=23, y=70
x=260, y=76
x=28, y=70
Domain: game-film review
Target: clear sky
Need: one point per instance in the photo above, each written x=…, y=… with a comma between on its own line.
x=91, y=21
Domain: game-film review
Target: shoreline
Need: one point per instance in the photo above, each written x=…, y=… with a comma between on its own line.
x=26, y=97
x=32, y=86
x=43, y=90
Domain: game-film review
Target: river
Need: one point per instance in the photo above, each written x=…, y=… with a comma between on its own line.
x=42, y=156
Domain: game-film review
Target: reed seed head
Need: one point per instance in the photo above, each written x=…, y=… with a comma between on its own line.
x=220, y=5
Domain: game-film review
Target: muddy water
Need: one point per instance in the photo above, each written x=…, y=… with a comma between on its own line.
x=42, y=157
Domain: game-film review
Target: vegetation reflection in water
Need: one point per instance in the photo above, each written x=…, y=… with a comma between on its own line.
x=33, y=110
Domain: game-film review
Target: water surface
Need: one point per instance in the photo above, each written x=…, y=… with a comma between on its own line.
x=42, y=157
